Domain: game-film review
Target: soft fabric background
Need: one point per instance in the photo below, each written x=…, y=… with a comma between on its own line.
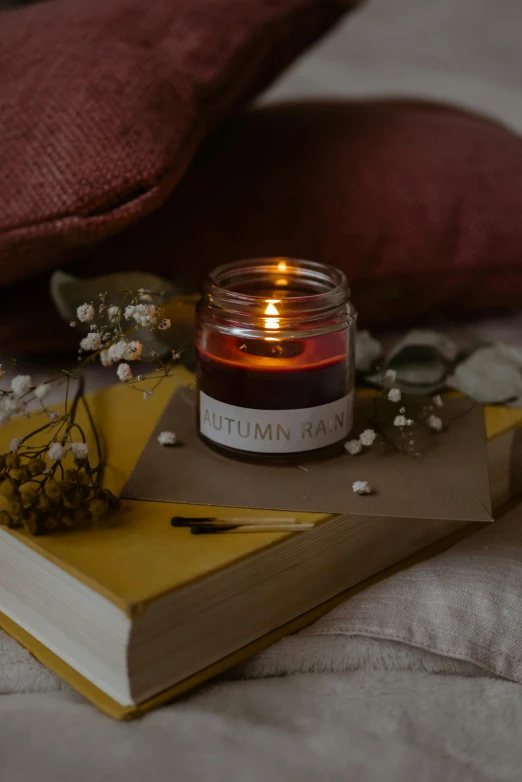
x=365, y=725
x=462, y=605
x=463, y=51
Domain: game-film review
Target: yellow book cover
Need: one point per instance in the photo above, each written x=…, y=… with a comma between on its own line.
x=141, y=558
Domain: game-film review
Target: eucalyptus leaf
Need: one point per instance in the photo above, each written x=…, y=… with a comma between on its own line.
x=490, y=375
x=421, y=361
x=514, y=355
x=367, y=351
x=412, y=389
x=423, y=342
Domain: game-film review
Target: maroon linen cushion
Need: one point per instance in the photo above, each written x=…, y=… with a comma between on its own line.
x=104, y=102
x=419, y=204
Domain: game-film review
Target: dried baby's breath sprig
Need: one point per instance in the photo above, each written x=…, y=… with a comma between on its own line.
x=47, y=481
x=361, y=487
x=112, y=335
x=434, y=423
x=401, y=421
x=353, y=447
x=85, y=312
x=368, y=437
x=167, y=438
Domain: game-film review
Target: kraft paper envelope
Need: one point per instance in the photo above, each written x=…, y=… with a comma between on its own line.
x=448, y=481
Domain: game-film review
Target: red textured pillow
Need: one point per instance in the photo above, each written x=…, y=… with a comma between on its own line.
x=104, y=102
x=420, y=204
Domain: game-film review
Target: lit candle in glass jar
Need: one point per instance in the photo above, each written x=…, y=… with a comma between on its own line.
x=275, y=359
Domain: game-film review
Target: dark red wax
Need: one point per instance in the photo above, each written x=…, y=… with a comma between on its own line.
x=314, y=372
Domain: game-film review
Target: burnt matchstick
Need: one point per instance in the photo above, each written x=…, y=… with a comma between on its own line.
x=231, y=529
x=186, y=521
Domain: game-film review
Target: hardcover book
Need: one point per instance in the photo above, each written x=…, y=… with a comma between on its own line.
x=139, y=611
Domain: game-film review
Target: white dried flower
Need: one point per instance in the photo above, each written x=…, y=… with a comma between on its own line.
x=91, y=342
x=53, y=416
x=42, y=390
x=15, y=444
x=129, y=311
x=145, y=314
x=134, y=351
x=147, y=394
x=139, y=378
x=164, y=324
x=105, y=358
x=402, y=410
x=361, y=487
x=367, y=437
x=394, y=395
x=437, y=401
x=401, y=420
x=20, y=385
x=130, y=351
x=113, y=312
x=390, y=376
x=435, y=423
x=79, y=450
x=167, y=438
x=124, y=372
x=353, y=447
x=85, y=312
x=117, y=351
x=72, y=324
x=9, y=405
x=57, y=452
x=2, y=373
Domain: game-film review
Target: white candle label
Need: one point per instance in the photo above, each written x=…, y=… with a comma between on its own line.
x=275, y=431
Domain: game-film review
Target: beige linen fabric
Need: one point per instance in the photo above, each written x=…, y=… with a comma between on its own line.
x=463, y=605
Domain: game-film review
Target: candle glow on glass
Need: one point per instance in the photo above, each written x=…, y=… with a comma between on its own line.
x=271, y=322
x=281, y=281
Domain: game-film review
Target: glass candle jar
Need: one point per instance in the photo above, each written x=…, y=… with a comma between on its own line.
x=275, y=359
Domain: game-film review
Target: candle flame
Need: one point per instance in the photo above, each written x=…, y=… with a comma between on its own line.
x=271, y=322
x=281, y=266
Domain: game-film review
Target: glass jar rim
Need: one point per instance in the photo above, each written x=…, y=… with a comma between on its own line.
x=331, y=284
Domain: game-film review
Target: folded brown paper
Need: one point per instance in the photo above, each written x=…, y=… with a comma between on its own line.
x=449, y=481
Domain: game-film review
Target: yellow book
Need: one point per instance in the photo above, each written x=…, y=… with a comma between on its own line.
x=138, y=612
